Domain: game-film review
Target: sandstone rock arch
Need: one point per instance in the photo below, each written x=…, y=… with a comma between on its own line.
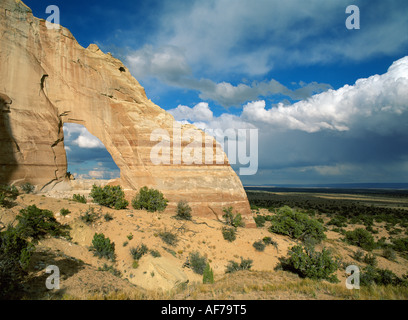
x=52, y=80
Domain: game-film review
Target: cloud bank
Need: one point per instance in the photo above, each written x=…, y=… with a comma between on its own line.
x=359, y=131
x=205, y=39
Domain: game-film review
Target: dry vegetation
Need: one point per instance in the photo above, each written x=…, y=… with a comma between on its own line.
x=162, y=269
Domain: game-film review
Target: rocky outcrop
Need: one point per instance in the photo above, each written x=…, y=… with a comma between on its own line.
x=48, y=79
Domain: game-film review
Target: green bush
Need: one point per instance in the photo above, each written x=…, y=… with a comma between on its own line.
x=108, y=217
x=389, y=254
x=231, y=219
x=36, y=223
x=7, y=195
x=15, y=254
x=183, y=211
x=233, y=266
x=270, y=241
x=229, y=233
x=208, y=274
x=111, y=270
x=370, y=259
x=308, y=263
x=296, y=225
x=79, y=198
x=259, y=245
x=358, y=255
x=400, y=245
x=361, y=238
x=267, y=240
x=371, y=275
x=90, y=216
x=64, y=212
x=149, y=199
x=197, y=262
x=168, y=237
x=259, y=220
x=27, y=187
x=338, y=221
x=16, y=249
x=103, y=247
x=155, y=253
x=109, y=196
x=139, y=251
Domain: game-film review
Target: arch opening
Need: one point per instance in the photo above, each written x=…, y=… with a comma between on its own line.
x=87, y=156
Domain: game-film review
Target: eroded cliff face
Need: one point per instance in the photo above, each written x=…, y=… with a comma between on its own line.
x=48, y=79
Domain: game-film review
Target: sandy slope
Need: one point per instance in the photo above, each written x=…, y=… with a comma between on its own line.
x=130, y=228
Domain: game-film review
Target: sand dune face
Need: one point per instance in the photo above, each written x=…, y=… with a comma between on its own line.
x=49, y=80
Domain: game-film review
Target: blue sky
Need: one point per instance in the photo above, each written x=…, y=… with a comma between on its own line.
x=330, y=104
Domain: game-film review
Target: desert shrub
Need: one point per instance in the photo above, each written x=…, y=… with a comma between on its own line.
x=371, y=275
x=15, y=254
x=259, y=220
x=267, y=240
x=259, y=245
x=358, y=255
x=36, y=223
x=7, y=195
x=155, y=253
x=183, y=211
x=168, y=237
x=370, y=259
x=308, y=263
x=234, y=266
x=270, y=241
x=361, y=238
x=139, y=251
x=338, y=221
x=229, y=233
x=111, y=270
x=231, y=219
x=16, y=250
x=109, y=196
x=64, y=212
x=197, y=262
x=79, y=198
x=296, y=225
x=171, y=251
x=208, y=274
x=390, y=254
x=108, y=217
x=90, y=216
x=365, y=219
x=149, y=199
x=103, y=247
x=27, y=187
x=400, y=245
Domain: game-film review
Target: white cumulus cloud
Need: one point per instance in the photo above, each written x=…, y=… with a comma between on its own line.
x=83, y=139
x=200, y=112
x=376, y=103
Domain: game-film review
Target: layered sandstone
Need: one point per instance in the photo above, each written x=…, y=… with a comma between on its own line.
x=48, y=79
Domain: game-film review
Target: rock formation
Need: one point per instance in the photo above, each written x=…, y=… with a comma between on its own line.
x=48, y=79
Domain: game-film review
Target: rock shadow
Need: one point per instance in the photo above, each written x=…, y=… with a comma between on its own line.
x=35, y=284
x=8, y=161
